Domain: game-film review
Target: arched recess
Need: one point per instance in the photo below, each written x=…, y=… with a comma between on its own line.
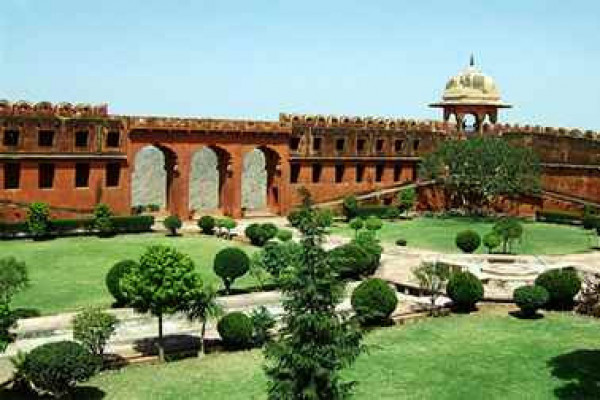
x=261, y=180
x=208, y=176
x=155, y=168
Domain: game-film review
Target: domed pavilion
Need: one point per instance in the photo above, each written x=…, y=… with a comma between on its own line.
x=471, y=92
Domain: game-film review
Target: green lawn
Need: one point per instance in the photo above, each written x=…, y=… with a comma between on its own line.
x=459, y=357
x=68, y=273
x=439, y=234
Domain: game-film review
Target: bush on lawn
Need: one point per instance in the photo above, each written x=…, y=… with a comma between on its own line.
x=226, y=225
x=38, y=220
x=262, y=323
x=207, y=224
x=349, y=207
x=92, y=328
x=132, y=224
x=275, y=256
x=56, y=368
x=373, y=301
x=468, y=241
x=113, y=280
x=465, y=290
x=491, y=241
x=259, y=234
x=356, y=225
x=236, y=331
x=230, y=264
x=350, y=260
x=400, y=242
x=373, y=224
x=102, y=220
x=370, y=244
x=530, y=298
x=509, y=230
x=558, y=216
x=562, y=285
x=172, y=223
x=284, y=235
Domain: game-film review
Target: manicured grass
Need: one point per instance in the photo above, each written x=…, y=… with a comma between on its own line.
x=68, y=273
x=458, y=357
x=439, y=234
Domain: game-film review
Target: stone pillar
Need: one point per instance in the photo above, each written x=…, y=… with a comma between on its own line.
x=232, y=191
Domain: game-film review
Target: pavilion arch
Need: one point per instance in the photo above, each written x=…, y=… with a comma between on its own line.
x=261, y=180
x=154, y=171
x=208, y=176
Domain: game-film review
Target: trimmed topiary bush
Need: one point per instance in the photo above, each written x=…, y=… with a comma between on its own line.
x=259, y=234
x=465, y=290
x=350, y=260
x=468, y=241
x=172, y=223
x=370, y=244
x=207, y=224
x=373, y=224
x=373, y=301
x=491, y=241
x=401, y=242
x=530, y=298
x=226, y=225
x=113, y=280
x=230, y=264
x=236, y=331
x=562, y=285
x=92, y=328
x=57, y=367
x=270, y=231
x=350, y=205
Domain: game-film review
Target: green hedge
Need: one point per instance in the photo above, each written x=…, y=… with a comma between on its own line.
x=559, y=217
x=59, y=227
x=376, y=211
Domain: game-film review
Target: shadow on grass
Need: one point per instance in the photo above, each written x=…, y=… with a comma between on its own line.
x=581, y=370
x=23, y=312
x=520, y=315
x=176, y=346
x=251, y=289
x=79, y=393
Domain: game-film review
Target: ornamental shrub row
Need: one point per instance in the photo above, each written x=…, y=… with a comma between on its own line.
x=559, y=217
x=59, y=227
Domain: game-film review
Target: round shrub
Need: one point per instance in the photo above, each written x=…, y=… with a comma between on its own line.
x=172, y=223
x=113, y=280
x=465, y=290
x=350, y=260
x=270, y=231
x=206, y=224
x=530, y=298
x=562, y=285
x=236, y=330
x=468, y=241
x=38, y=219
x=373, y=223
x=400, y=242
x=491, y=241
x=259, y=234
x=230, y=264
x=373, y=301
x=276, y=256
x=57, y=367
x=357, y=224
x=284, y=235
x=370, y=244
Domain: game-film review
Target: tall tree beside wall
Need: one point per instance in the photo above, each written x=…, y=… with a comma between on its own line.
x=478, y=171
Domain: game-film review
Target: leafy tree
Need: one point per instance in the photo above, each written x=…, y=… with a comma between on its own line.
x=102, y=220
x=373, y=224
x=38, y=220
x=92, y=328
x=202, y=307
x=274, y=257
x=509, y=230
x=356, y=225
x=350, y=205
x=315, y=342
x=477, y=171
x=432, y=277
x=163, y=283
x=407, y=199
x=262, y=323
x=13, y=278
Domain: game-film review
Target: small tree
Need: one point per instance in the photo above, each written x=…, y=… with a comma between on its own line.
x=207, y=224
x=38, y=220
x=468, y=241
x=316, y=341
x=13, y=279
x=172, y=223
x=356, y=225
x=350, y=205
x=432, y=277
x=262, y=323
x=491, y=240
x=407, y=199
x=93, y=328
x=163, y=283
x=102, y=220
x=373, y=224
x=203, y=307
x=230, y=264
x=509, y=230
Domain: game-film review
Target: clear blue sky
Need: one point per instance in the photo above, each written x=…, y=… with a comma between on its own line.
x=256, y=58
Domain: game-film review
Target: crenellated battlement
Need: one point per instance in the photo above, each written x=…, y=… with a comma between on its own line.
x=206, y=124
x=501, y=129
x=47, y=109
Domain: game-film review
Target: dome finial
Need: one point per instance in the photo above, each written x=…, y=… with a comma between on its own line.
x=472, y=61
